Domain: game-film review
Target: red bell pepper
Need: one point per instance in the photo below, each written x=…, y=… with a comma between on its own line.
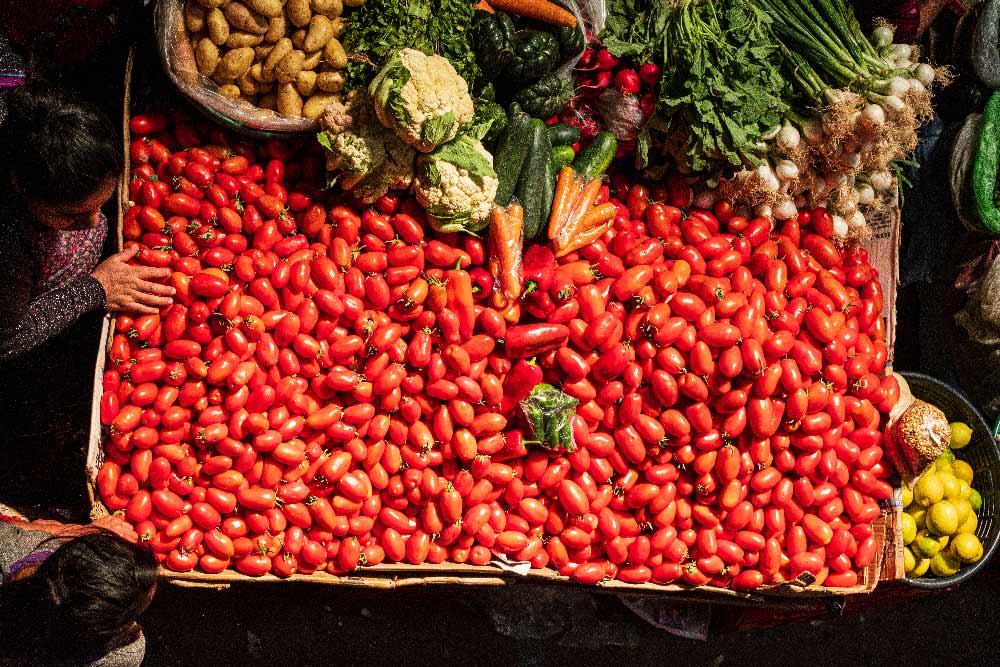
x=539, y=266
x=462, y=300
x=530, y=340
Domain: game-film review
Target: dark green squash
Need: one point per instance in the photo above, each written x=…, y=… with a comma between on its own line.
x=536, y=53
x=544, y=98
x=492, y=38
x=571, y=42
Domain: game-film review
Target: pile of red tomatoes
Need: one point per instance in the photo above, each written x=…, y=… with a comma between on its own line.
x=333, y=388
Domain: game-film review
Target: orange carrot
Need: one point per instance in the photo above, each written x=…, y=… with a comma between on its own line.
x=585, y=202
x=565, y=193
x=484, y=6
x=506, y=245
x=598, y=215
x=541, y=10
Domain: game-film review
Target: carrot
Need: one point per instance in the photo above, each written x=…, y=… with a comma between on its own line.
x=506, y=240
x=585, y=201
x=484, y=6
x=565, y=190
x=598, y=215
x=584, y=238
x=541, y=10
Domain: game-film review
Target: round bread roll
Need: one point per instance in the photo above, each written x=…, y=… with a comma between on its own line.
x=919, y=436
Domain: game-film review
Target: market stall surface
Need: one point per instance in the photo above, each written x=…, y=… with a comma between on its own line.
x=262, y=624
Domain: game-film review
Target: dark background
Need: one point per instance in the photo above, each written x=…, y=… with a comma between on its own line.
x=263, y=624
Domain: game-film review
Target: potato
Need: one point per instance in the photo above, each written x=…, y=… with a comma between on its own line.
x=260, y=53
x=206, y=54
x=256, y=71
x=299, y=39
x=244, y=20
x=268, y=101
x=353, y=3
x=235, y=63
x=194, y=16
x=237, y=40
x=247, y=85
x=289, y=100
x=218, y=26
x=317, y=104
x=277, y=28
x=334, y=54
x=331, y=8
x=298, y=12
x=320, y=32
x=289, y=67
x=230, y=90
x=338, y=26
x=269, y=8
x=281, y=49
x=330, y=82
x=210, y=4
x=305, y=83
x=312, y=60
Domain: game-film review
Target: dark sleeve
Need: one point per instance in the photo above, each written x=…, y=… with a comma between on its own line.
x=16, y=543
x=48, y=314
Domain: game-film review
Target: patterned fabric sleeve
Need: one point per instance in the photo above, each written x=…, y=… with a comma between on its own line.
x=16, y=543
x=49, y=314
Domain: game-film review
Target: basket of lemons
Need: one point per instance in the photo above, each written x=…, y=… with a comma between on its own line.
x=949, y=522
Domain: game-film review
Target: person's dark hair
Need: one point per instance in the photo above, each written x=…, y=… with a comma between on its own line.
x=83, y=600
x=57, y=148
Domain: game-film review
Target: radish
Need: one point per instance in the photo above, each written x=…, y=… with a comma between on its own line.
x=605, y=60
x=647, y=105
x=650, y=74
x=627, y=81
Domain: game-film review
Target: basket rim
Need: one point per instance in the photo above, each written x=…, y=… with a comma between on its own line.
x=967, y=572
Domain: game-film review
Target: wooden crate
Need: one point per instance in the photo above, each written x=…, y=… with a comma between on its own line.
x=887, y=564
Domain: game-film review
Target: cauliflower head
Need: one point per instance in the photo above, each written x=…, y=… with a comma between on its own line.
x=422, y=98
x=362, y=153
x=394, y=173
x=456, y=185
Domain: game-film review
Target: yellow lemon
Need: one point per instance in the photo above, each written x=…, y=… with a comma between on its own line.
x=964, y=510
x=975, y=500
x=909, y=560
x=945, y=564
x=967, y=547
x=909, y=527
x=942, y=518
x=907, y=493
x=926, y=545
x=947, y=455
x=919, y=515
x=928, y=490
x=961, y=434
x=952, y=485
x=921, y=567
x=966, y=489
x=969, y=526
x=963, y=471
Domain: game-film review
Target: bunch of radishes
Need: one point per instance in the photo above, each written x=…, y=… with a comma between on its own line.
x=612, y=94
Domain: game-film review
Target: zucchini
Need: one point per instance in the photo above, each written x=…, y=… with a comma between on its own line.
x=512, y=149
x=562, y=134
x=594, y=160
x=986, y=167
x=562, y=156
x=536, y=185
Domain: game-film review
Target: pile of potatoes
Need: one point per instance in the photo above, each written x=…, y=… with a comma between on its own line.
x=283, y=55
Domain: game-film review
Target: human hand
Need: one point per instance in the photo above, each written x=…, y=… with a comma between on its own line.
x=130, y=288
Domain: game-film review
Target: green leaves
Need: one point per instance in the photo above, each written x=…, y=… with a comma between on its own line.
x=634, y=28
x=381, y=27
x=725, y=87
x=463, y=153
x=437, y=128
x=324, y=140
